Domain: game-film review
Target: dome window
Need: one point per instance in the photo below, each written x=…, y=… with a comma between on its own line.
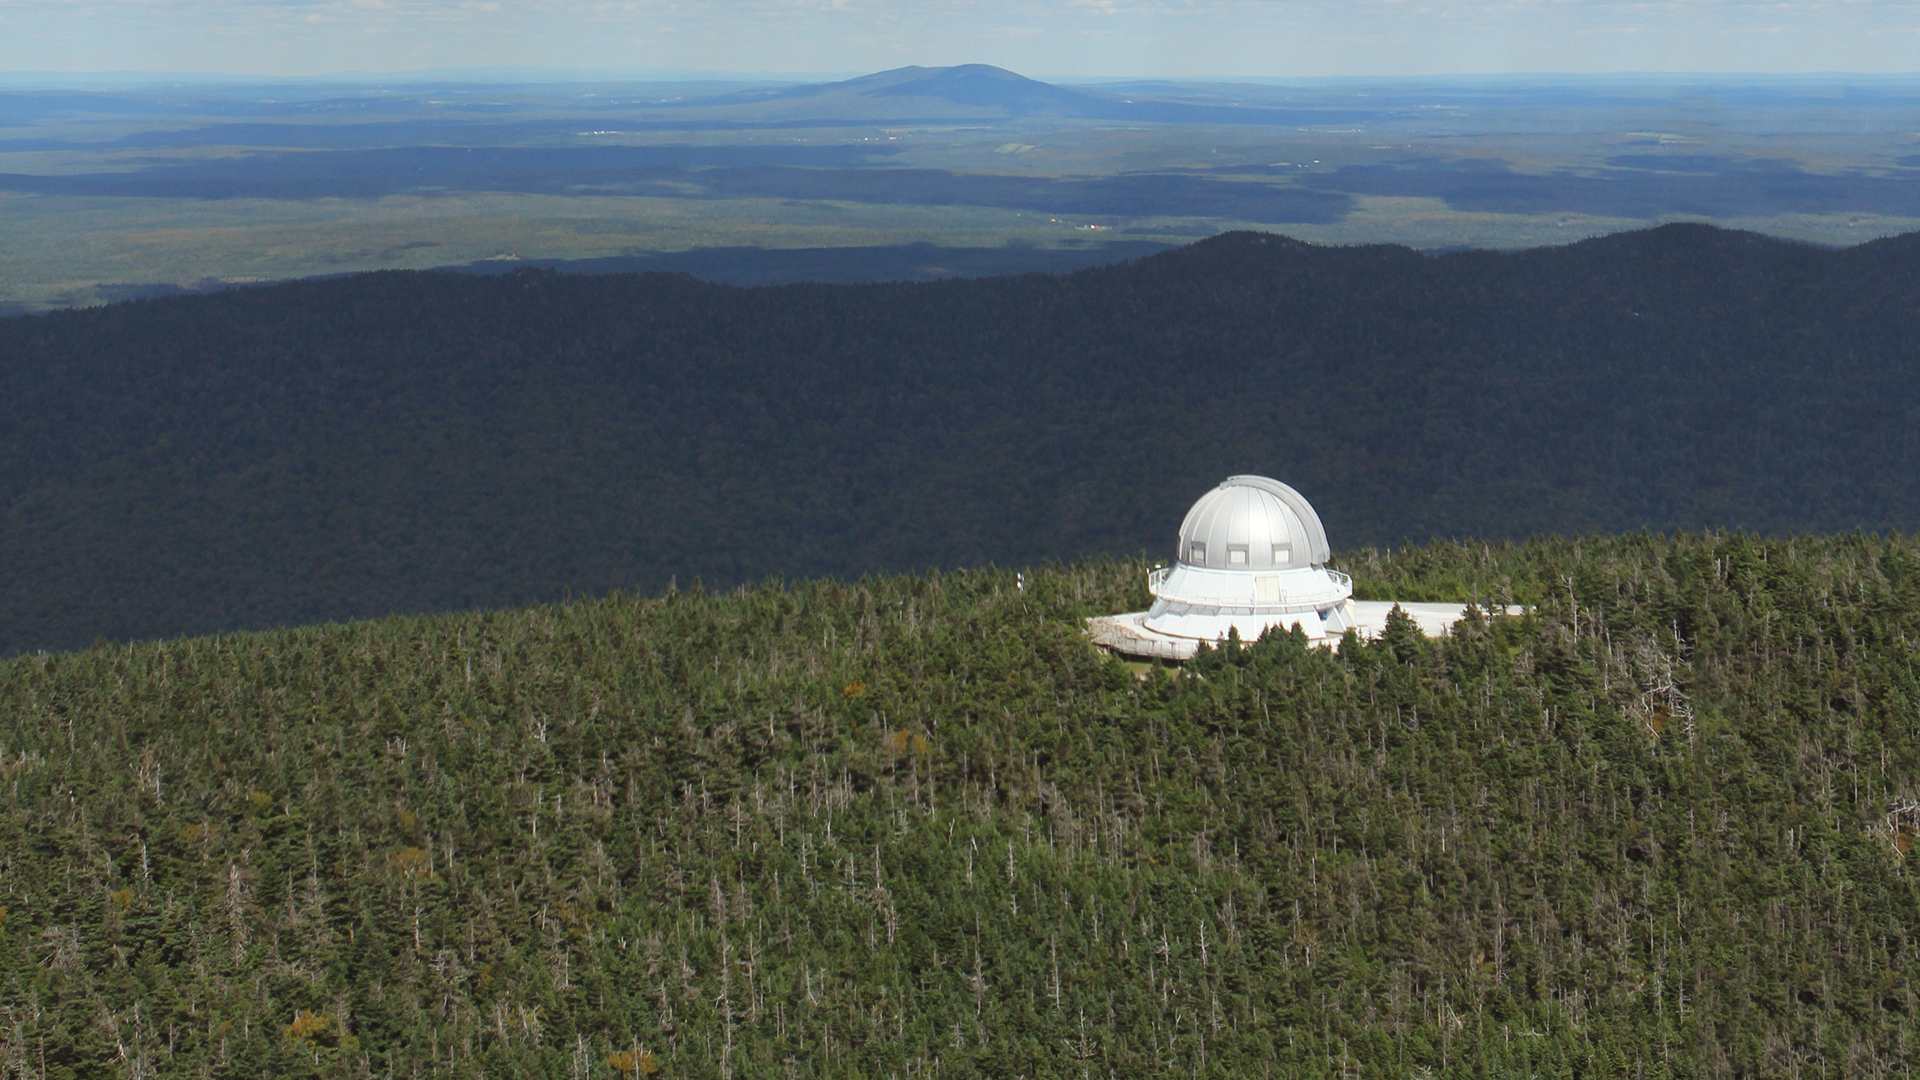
x=1236, y=554
x=1283, y=554
x=1197, y=553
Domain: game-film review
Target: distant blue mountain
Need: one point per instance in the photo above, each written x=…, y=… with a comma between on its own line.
x=969, y=85
x=977, y=86
x=982, y=90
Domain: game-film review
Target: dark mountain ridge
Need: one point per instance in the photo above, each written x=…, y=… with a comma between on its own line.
x=428, y=441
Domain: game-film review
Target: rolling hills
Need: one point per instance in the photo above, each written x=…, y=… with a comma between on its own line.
x=406, y=442
x=121, y=187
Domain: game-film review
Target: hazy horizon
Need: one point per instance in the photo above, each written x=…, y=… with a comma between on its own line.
x=722, y=81
x=535, y=75
x=1197, y=39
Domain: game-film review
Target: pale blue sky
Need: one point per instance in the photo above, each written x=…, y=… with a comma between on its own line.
x=1194, y=38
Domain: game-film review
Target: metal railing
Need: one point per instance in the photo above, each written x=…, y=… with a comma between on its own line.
x=1157, y=580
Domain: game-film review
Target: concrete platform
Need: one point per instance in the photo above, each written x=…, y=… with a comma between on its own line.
x=1129, y=636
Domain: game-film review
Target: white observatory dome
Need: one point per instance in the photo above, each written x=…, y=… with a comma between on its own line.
x=1251, y=522
x=1251, y=557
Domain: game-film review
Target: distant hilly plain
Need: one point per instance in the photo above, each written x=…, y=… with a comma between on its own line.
x=111, y=190
x=425, y=441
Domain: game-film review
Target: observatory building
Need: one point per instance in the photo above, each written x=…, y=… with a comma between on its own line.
x=1252, y=556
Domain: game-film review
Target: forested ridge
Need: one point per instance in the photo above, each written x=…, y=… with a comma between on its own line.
x=1660, y=826
x=405, y=442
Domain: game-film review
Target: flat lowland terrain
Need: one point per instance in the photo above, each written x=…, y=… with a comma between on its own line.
x=1662, y=826
x=116, y=191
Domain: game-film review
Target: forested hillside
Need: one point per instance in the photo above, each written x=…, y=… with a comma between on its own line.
x=435, y=441
x=917, y=826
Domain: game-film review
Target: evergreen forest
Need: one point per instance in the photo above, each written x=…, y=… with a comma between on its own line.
x=416, y=442
x=916, y=826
